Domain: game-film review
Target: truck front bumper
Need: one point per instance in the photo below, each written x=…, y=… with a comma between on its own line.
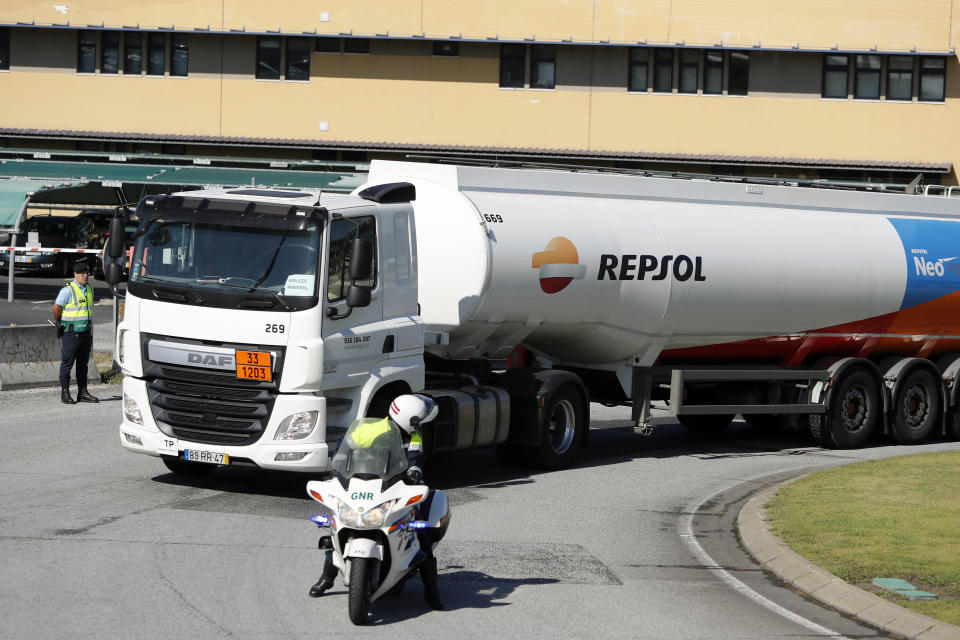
x=310, y=454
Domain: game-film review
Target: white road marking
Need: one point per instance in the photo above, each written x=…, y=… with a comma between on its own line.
x=686, y=532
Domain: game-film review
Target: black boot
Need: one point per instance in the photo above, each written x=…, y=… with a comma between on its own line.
x=326, y=578
x=84, y=396
x=428, y=573
x=65, y=396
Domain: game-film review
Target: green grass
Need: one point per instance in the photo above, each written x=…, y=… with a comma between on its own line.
x=104, y=362
x=895, y=518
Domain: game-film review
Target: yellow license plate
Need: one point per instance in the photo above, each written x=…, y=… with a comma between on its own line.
x=253, y=365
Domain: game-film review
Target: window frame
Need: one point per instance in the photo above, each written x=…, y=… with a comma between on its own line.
x=5, y=38
x=925, y=74
x=305, y=53
x=660, y=63
x=179, y=42
x=734, y=77
x=835, y=68
x=356, y=46
x=87, y=49
x=335, y=41
x=861, y=72
x=446, y=49
x=712, y=65
x=520, y=57
x=262, y=63
x=132, y=40
x=632, y=63
x=543, y=53
x=344, y=265
x=910, y=72
x=109, y=43
x=687, y=64
x=153, y=40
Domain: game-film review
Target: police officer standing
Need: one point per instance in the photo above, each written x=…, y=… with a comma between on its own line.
x=73, y=314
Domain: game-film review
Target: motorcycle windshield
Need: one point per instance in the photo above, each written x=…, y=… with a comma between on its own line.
x=371, y=448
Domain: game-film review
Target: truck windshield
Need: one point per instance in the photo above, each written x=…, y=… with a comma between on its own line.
x=217, y=264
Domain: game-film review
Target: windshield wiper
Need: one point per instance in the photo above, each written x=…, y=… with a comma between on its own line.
x=247, y=288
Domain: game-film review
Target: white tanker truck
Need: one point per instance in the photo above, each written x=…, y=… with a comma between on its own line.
x=259, y=323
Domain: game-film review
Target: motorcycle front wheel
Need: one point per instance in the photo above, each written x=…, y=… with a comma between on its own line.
x=362, y=572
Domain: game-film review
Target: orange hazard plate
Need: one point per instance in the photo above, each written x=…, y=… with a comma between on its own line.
x=253, y=365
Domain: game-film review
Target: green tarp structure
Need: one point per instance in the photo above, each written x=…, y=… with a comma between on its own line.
x=14, y=195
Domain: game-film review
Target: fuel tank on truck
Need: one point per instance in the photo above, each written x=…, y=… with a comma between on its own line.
x=592, y=269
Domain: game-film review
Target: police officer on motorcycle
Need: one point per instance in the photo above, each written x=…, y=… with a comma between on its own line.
x=406, y=413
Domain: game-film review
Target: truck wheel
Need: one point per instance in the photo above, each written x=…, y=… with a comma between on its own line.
x=184, y=468
x=562, y=430
x=705, y=423
x=916, y=409
x=853, y=415
x=361, y=579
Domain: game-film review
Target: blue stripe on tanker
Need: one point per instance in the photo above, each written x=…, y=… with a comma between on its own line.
x=932, y=252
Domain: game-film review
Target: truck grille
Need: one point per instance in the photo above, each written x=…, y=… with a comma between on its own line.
x=209, y=406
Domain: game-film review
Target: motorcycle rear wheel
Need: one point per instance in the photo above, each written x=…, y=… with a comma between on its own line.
x=362, y=571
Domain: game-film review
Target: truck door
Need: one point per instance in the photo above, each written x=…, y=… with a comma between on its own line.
x=352, y=344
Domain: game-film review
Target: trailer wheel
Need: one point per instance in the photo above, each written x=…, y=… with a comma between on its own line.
x=853, y=415
x=562, y=429
x=705, y=424
x=916, y=408
x=184, y=468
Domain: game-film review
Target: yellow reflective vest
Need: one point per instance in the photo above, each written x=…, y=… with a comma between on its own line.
x=78, y=312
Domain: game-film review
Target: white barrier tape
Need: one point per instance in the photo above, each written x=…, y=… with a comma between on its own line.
x=47, y=250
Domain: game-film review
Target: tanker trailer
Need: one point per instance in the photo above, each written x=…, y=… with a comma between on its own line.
x=831, y=308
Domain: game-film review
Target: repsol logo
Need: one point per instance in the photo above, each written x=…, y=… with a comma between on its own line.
x=637, y=267
x=210, y=360
x=361, y=495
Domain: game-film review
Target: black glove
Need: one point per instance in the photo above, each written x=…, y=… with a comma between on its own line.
x=60, y=329
x=414, y=475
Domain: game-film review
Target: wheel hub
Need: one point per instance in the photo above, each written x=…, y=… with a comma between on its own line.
x=562, y=426
x=915, y=407
x=855, y=413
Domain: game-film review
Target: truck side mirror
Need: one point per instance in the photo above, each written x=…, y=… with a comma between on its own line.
x=113, y=272
x=114, y=246
x=361, y=259
x=358, y=296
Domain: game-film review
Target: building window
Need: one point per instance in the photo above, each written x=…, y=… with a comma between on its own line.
x=512, y=58
x=444, y=48
x=268, y=58
x=326, y=45
x=110, y=52
x=4, y=48
x=835, y=76
x=87, y=52
x=689, y=70
x=867, y=81
x=739, y=73
x=663, y=70
x=356, y=45
x=543, y=66
x=639, y=67
x=713, y=73
x=899, y=78
x=933, y=79
x=179, y=54
x=132, y=54
x=298, y=59
x=156, y=54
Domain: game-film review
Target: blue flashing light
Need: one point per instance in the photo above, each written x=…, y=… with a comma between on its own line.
x=419, y=524
x=320, y=521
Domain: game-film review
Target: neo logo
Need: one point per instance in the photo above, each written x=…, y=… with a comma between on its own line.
x=361, y=495
x=208, y=359
x=924, y=267
x=630, y=267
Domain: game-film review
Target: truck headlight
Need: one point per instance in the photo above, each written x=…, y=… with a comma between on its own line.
x=131, y=411
x=297, y=426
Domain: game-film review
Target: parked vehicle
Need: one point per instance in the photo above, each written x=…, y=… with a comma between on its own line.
x=372, y=516
x=260, y=323
x=100, y=231
x=52, y=232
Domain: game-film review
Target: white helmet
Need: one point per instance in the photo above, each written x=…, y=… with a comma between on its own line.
x=411, y=410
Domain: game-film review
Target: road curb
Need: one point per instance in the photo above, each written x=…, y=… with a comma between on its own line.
x=775, y=556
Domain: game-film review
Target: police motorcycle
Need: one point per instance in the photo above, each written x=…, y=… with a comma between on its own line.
x=373, y=517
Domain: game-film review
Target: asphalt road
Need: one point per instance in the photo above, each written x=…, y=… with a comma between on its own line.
x=34, y=295
x=101, y=543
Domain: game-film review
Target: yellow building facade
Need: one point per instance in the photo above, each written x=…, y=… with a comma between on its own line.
x=766, y=86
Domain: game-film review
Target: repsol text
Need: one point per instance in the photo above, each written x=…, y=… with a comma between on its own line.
x=637, y=267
